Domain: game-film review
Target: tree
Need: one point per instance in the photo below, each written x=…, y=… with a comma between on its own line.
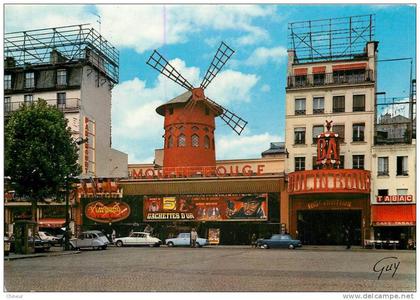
x=40, y=154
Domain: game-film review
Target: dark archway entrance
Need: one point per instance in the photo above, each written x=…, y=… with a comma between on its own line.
x=327, y=227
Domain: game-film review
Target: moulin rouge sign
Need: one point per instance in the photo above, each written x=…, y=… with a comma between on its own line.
x=218, y=171
x=329, y=179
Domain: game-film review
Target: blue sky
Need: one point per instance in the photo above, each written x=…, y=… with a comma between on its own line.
x=252, y=84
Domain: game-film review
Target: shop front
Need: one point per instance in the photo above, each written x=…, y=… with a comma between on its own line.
x=329, y=206
x=223, y=210
x=395, y=220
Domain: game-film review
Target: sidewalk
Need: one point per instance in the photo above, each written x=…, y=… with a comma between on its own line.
x=54, y=251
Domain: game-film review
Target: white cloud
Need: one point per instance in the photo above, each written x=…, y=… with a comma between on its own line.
x=265, y=88
x=244, y=146
x=25, y=17
x=262, y=55
x=232, y=86
x=145, y=27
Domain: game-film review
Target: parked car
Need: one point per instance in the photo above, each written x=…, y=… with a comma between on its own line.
x=183, y=239
x=49, y=237
x=90, y=239
x=138, y=239
x=279, y=241
x=35, y=241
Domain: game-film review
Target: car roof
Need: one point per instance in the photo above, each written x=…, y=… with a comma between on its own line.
x=92, y=231
x=140, y=232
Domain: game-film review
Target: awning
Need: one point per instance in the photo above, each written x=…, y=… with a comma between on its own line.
x=394, y=215
x=318, y=70
x=300, y=71
x=51, y=222
x=344, y=67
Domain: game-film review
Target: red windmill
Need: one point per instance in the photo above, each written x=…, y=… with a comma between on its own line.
x=189, y=118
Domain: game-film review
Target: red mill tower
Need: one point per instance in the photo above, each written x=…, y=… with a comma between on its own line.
x=189, y=118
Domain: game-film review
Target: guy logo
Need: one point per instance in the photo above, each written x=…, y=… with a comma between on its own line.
x=386, y=264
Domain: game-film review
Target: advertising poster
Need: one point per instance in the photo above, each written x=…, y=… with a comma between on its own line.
x=238, y=207
x=214, y=236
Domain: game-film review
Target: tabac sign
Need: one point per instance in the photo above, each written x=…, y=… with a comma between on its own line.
x=328, y=154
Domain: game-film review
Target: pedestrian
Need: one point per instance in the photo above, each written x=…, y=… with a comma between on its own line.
x=193, y=236
x=347, y=238
x=113, y=235
x=254, y=240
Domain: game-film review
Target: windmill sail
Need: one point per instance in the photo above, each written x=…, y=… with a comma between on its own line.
x=159, y=63
x=231, y=119
x=219, y=60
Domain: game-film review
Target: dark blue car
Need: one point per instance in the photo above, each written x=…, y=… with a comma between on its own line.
x=279, y=241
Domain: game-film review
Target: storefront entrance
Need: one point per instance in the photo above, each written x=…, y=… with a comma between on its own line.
x=328, y=227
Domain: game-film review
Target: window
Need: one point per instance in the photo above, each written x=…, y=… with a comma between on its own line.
x=206, y=142
x=194, y=128
x=195, y=140
x=314, y=165
x=207, y=110
x=7, y=82
x=316, y=130
x=341, y=165
x=383, y=192
x=383, y=164
x=28, y=99
x=301, y=80
x=181, y=140
x=402, y=167
x=300, y=135
x=170, y=141
x=319, y=79
x=402, y=191
x=171, y=110
x=61, y=77
x=29, y=80
x=358, y=102
x=349, y=76
x=358, y=162
x=338, y=104
x=300, y=106
x=318, y=105
x=340, y=130
x=7, y=104
x=299, y=163
x=61, y=100
x=359, y=132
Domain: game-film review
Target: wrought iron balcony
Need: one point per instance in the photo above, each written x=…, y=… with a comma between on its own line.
x=336, y=78
x=67, y=105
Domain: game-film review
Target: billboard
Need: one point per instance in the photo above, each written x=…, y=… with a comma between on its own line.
x=237, y=207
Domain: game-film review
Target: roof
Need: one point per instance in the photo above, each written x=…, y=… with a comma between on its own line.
x=275, y=148
x=183, y=98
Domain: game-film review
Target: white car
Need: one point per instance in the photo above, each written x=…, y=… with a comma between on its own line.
x=49, y=237
x=90, y=239
x=183, y=239
x=138, y=239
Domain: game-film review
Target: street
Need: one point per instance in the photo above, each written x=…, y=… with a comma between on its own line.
x=238, y=269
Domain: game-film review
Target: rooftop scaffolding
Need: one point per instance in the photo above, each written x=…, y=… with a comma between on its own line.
x=71, y=43
x=331, y=39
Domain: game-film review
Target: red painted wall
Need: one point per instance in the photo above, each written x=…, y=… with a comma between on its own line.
x=188, y=121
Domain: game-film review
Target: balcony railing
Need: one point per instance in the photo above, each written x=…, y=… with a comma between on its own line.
x=68, y=104
x=313, y=80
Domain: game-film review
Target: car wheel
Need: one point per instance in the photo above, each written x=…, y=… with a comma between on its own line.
x=291, y=246
x=119, y=243
x=103, y=247
x=264, y=246
x=198, y=245
x=170, y=244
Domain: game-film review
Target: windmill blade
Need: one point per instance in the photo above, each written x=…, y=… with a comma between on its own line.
x=220, y=58
x=158, y=62
x=231, y=119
